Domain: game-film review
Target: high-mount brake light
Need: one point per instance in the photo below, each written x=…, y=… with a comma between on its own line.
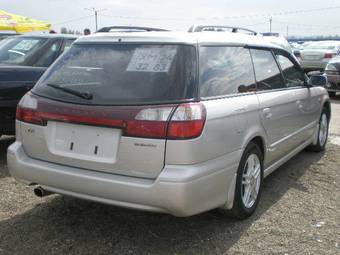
x=185, y=121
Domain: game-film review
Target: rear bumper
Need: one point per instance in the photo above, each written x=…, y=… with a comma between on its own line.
x=178, y=190
x=7, y=127
x=313, y=65
x=7, y=118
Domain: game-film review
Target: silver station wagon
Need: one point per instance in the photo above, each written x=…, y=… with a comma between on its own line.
x=179, y=123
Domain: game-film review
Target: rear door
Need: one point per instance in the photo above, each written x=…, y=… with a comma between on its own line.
x=278, y=105
x=121, y=127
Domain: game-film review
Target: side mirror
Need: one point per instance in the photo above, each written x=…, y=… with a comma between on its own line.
x=318, y=80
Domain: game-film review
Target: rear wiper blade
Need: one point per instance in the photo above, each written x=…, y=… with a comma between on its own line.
x=83, y=94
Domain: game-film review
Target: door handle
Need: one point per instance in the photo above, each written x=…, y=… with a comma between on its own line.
x=267, y=113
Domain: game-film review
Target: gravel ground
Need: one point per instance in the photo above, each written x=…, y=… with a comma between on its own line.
x=299, y=213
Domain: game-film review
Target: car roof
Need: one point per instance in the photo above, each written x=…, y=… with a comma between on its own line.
x=67, y=36
x=181, y=38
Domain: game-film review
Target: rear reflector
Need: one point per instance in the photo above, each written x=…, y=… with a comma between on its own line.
x=184, y=121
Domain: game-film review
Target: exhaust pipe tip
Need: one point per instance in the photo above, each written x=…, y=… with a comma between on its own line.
x=40, y=192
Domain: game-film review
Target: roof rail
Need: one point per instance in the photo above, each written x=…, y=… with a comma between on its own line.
x=221, y=29
x=127, y=29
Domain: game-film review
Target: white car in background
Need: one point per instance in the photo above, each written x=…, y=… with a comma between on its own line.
x=316, y=55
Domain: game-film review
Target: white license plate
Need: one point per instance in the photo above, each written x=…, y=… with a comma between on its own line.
x=84, y=142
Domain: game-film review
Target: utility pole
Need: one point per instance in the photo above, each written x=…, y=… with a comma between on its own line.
x=287, y=31
x=95, y=14
x=270, y=24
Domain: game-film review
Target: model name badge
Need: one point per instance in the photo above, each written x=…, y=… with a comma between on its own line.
x=31, y=130
x=145, y=145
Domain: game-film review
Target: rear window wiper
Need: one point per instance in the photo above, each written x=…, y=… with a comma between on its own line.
x=83, y=94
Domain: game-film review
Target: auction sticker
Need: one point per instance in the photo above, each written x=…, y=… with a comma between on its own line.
x=156, y=60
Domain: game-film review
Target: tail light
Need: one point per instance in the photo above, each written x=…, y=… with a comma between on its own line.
x=328, y=55
x=185, y=121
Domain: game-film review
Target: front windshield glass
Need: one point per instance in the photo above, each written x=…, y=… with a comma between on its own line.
x=18, y=50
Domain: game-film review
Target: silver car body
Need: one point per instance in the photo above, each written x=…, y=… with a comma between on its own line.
x=313, y=55
x=180, y=177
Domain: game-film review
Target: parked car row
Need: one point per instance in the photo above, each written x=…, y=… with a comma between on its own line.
x=322, y=56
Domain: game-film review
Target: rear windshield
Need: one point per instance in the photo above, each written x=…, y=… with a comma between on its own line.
x=122, y=74
x=322, y=46
x=18, y=50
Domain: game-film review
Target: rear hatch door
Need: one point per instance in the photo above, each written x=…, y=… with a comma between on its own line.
x=121, y=127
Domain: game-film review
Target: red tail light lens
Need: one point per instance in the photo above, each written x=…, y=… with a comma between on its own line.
x=328, y=55
x=187, y=120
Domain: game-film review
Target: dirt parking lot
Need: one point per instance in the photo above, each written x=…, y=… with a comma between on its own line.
x=299, y=213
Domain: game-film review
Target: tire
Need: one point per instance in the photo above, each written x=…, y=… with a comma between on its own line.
x=322, y=133
x=243, y=207
x=331, y=93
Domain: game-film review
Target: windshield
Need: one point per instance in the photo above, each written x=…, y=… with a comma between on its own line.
x=322, y=46
x=17, y=50
x=122, y=74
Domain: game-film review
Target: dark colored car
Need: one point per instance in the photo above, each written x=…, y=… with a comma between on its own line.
x=23, y=59
x=332, y=71
x=5, y=35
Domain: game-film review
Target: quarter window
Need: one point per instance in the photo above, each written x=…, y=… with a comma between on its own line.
x=225, y=71
x=293, y=75
x=49, y=55
x=267, y=72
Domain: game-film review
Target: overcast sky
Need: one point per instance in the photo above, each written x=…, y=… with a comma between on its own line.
x=180, y=14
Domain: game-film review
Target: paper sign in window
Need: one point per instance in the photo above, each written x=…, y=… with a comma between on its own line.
x=25, y=45
x=156, y=60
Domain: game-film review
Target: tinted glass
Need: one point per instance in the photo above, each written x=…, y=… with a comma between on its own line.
x=49, y=55
x=225, y=70
x=268, y=75
x=68, y=44
x=292, y=74
x=18, y=50
x=123, y=74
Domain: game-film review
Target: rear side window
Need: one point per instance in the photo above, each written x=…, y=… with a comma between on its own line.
x=225, y=71
x=267, y=72
x=294, y=76
x=67, y=44
x=19, y=50
x=122, y=74
x=49, y=55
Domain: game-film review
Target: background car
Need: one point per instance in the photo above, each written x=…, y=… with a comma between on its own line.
x=23, y=59
x=332, y=71
x=5, y=35
x=296, y=48
x=280, y=41
x=316, y=55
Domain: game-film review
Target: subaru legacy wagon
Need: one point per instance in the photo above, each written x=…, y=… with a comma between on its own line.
x=179, y=123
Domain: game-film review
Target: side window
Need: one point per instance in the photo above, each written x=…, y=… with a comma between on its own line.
x=293, y=75
x=267, y=72
x=50, y=54
x=68, y=44
x=225, y=70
